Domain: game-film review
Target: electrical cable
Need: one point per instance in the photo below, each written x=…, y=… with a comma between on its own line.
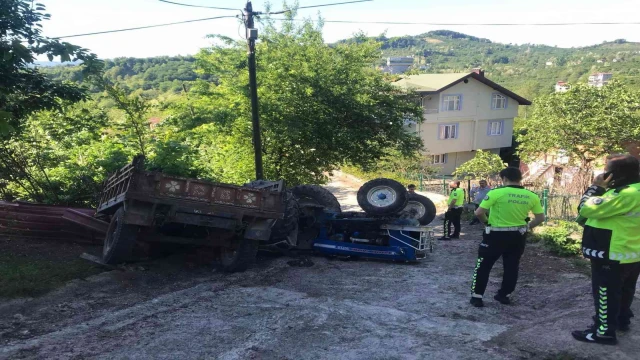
x=145, y=27
x=316, y=6
x=196, y=6
x=462, y=24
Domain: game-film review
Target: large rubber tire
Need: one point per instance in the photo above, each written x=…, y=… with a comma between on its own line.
x=120, y=239
x=420, y=208
x=283, y=227
x=240, y=258
x=381, y=197
x=317, y=195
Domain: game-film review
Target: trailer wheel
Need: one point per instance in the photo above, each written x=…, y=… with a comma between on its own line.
x=420, y=208
x=120, y=239
x=380, y=197
x=239, y=258
x=316, y=195
x=284, y=226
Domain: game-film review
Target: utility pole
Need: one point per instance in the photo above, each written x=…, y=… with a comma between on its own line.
x=252, y=36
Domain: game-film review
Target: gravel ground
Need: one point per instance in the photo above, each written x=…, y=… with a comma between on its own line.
x=334, y=309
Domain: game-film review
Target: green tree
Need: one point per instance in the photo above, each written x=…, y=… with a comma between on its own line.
x=61, y=156
x=483, y=165
x=586, y=123
x=320, y=106
x=23, y=88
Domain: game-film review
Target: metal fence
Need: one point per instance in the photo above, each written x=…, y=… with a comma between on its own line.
x=556, y=206
x=559, y=206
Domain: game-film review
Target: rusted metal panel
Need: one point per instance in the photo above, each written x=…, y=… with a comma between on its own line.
x=203, y=220
x=27, y=221
x=85, y=221
x=131, y=183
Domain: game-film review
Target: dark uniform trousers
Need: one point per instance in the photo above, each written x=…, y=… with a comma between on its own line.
x=506, y=244
x=613, y=285
x=452, y=217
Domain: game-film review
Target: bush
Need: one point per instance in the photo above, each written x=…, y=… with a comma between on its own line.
x=562, y=238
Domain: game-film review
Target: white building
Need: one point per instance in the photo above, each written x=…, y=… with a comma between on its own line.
x=398, y=65
x=599, y=79
x=562, y=86
x=463, y=113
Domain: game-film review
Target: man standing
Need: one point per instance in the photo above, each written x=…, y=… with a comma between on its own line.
x=509, y=208
x=478, y=195
x=454, y=212
x=611, y=240
x=411, y=189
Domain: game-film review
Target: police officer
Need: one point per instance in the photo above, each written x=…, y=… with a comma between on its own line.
x=454, y=212
x=505, y=234
x=611, y=240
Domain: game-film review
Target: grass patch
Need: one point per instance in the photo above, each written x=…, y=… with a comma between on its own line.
x=563, y=238
x=22, y=276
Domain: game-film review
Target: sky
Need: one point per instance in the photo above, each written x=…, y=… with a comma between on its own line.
x=70, y=17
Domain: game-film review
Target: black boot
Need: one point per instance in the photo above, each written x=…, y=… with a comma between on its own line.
x=477, y=302
x=504, y=300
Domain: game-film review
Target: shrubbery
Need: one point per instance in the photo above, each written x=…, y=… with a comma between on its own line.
x=562, y=238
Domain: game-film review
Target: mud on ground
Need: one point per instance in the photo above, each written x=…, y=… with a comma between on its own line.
x=333, y=309
x=301, y=307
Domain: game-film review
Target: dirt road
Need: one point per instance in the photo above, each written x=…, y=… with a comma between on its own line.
x=334, y=309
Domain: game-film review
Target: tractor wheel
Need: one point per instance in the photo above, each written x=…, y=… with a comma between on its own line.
x=284, y=226
x=239, y=258
x=316, y=195
x=120, y=239
x=420, y=208
x=380, y=197
x=314, y=200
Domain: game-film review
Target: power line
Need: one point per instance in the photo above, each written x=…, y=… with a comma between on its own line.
x=462, y=24
x=145, y=27
x=353, y=22
x=197, y=6
x=316, y=6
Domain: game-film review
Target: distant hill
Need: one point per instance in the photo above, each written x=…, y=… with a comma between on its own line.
x=527, y=69
x=148, y=76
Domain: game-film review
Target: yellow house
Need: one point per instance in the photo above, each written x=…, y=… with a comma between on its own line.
x=463, y=112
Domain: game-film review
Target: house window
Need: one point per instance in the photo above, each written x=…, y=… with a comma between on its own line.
x=495, y=128
x=451, y=102
x=448, y=132
x=439, y=159
x=498, y=101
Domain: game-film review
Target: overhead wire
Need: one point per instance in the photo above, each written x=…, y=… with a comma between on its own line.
x=196, y=6
x=316, y=6
x=460, y=24
x=145, y=27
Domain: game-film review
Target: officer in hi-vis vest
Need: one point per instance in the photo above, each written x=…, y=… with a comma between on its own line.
x=611, y=240
x=504, y=235
x=454, y=212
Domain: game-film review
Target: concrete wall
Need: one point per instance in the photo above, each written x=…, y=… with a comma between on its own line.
x=456, y=159
x=472, y=120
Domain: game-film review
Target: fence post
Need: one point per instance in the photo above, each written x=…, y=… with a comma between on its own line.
x=420, y=178
x=545, y=203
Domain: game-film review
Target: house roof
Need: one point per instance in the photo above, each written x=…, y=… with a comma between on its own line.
x=435, y=83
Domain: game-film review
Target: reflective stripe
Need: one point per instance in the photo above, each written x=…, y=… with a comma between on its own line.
x=594, y=253
x=513, y=228
x=624, y=256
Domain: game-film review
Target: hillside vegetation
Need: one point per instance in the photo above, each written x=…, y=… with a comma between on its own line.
x=522, y=68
